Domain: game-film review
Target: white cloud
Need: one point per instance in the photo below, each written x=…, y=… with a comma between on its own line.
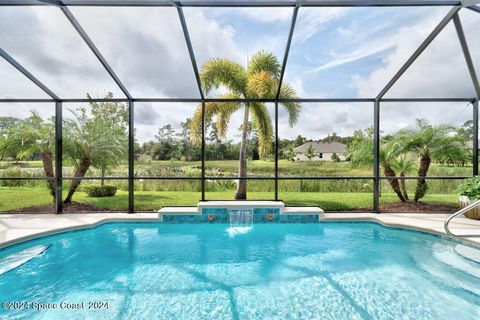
x=270, y=15
x=439, y=72
x=43, y=41
x=317, y=120
x=311, y=20
x=147, y=50
x=361, y=53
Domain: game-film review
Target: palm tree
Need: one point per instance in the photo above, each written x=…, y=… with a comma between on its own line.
x=430, y=143
x=289, y=154
x=403, y=165
x=98, y=140
x=360, y=153
x=310, y=152
x=31, y=137
x=388, y=155
x=260, y=80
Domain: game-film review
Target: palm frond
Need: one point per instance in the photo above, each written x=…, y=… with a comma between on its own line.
x=262, y=85
x=196, y=126
x=293, y=108
x=223, y=114
x=221, y=71
x=222, y=111
x=263, y=124
x=266, y=62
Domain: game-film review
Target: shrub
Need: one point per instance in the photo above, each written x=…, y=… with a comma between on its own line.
x=470, y=188
x=101, y=191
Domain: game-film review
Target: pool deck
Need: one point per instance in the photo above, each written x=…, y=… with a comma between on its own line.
x=15, y=228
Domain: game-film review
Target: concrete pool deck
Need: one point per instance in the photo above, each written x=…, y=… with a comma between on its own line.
x=15, y=228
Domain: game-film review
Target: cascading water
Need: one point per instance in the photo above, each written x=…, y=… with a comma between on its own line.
x=241, y=221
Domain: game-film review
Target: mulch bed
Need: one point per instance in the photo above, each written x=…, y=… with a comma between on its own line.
x=73, y=207
x=416, y=207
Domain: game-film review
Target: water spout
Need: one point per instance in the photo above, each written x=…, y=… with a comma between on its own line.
x=241, y=221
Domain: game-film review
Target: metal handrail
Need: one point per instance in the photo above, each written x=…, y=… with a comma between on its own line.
x=456, y=214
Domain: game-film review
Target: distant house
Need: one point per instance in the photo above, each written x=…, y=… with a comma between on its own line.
x=323, y=151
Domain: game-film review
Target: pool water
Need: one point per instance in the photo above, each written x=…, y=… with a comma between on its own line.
x=273, y=271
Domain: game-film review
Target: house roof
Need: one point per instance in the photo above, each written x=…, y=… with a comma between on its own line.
x=324, y=147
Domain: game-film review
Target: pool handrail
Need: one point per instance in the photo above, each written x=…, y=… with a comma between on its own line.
x=456, y=214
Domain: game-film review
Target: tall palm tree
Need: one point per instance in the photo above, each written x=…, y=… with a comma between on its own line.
x=430, y=143
x=259, y=80
x=31, y=137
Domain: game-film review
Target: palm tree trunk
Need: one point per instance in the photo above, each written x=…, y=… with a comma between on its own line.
x=421, y=188
x=394, y=182
x=49, y=173
x=241, y=193
x=80, y=172
x=402, y=186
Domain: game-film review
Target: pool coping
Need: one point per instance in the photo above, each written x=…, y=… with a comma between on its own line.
x=17, y=228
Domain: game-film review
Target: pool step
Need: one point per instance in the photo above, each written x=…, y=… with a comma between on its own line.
x=468, y=253
x=450, y=257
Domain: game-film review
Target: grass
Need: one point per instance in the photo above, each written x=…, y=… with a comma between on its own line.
x=289, y=168
x=14, y=198
x=152, y=194
x=229, y=168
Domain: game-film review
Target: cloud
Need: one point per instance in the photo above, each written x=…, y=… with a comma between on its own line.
x=24, y=110
x=311, y=20
x=14, y=85
x=317, y=120
x=146, y=48
x=45, y=43
x=439, y=72
x=352, y=57
x=146, y=114
x=273, y=15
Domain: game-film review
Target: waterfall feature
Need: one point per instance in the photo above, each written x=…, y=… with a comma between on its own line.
x=241, y=221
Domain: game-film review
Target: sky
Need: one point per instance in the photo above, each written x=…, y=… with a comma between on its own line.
x=335, y=53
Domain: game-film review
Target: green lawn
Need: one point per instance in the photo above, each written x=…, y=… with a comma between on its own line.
x=152, y=194
x=14, y=198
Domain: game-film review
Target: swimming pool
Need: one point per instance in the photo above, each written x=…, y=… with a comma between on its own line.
x=273, y=271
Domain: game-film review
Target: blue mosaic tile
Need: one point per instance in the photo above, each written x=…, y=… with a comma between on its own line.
x=260, y=215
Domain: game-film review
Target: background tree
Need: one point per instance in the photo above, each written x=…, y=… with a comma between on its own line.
x=429, y=143
x=466, y=130
x=360, y=152
x=289, y=154
x=98, y=138
x=310, y=152
x=335, y=158
x=403, y=165
x=299, y=140
x=27, y=138
x=259, y=80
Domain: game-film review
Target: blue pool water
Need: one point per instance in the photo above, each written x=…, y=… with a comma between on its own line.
x=273, y=271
